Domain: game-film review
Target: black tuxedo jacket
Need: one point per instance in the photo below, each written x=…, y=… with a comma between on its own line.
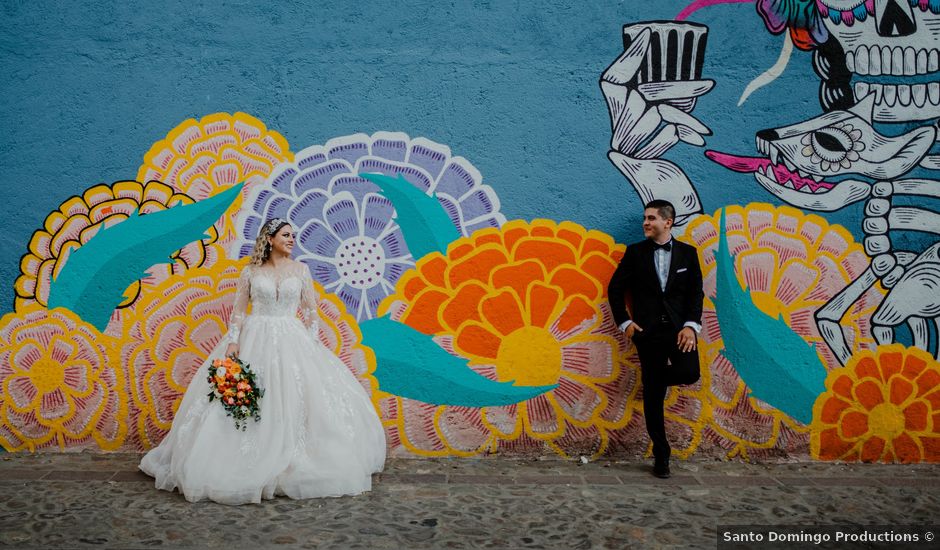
x=635, y=280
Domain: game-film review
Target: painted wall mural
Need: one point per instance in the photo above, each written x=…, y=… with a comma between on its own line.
x=479, y=326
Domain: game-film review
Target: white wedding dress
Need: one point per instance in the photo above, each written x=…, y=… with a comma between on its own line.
x=319, y=434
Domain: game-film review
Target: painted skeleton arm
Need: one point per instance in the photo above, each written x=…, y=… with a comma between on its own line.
x=647, y=119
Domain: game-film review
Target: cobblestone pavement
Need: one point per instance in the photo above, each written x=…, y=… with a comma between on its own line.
x=102, y=501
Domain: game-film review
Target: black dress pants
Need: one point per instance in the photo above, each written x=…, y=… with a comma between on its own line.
x=662, y=364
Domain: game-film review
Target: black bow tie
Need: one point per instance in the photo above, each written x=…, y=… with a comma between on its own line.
x=667, y=246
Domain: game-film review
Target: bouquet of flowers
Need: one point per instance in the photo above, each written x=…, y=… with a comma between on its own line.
x=233, y=383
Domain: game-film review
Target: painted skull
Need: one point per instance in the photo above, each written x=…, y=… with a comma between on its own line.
x=805, y=164
x=890, y=48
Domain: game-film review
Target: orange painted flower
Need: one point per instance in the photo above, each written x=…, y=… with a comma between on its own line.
x=523, y=303
x=61, y=383
x=204, y=157
x=78, y=219
x=792, y=264
x=884, y=406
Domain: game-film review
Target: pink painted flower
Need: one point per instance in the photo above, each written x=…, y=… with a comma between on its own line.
x=61, y=384
x=792, y=264
x=204, y=157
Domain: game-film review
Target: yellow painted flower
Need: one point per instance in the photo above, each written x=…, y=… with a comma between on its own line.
x=60, y=384
x=78, y=219
x=175, y=326
x=524, y=303
x=792, y=264
x=204, y=157
x=884, y=406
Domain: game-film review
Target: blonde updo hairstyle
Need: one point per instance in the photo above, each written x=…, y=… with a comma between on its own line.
x=262, y=250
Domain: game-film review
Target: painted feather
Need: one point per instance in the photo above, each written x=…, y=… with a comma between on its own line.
x=410, y=364
x=778, y=366
x=424, y=223
x=93, y=280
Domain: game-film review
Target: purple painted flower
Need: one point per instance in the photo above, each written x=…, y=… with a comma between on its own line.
x=345, y=231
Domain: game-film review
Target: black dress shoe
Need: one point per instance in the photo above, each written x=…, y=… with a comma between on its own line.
x=661, y=470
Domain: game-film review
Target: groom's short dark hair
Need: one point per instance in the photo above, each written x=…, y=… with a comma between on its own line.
x=665, y=208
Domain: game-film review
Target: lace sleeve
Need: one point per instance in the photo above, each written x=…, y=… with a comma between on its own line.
x=240, y=309
x=308, y=303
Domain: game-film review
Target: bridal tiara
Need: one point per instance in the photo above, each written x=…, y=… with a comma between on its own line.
x=272, y=225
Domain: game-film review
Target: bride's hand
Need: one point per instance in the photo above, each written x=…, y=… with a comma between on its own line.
x=231, y=349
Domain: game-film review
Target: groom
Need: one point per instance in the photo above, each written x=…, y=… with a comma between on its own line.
x=661, y=278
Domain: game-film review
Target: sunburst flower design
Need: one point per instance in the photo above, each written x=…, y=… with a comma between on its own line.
x=524, y=303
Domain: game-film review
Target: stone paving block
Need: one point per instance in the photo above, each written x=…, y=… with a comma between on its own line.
x=824, y=481
x=135, y=475
x=549, y=479
x=909, y=481
x=633, y=470
x=10, y=474
x=795, y=481
x=730, y=480
x=404, y=478
x=649, y=479
x=78, y=475
x=478, y=479
x=597, y=479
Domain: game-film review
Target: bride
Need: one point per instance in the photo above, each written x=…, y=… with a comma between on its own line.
x=319, y=434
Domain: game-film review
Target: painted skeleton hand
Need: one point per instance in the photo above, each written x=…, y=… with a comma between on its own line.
x=649, y=114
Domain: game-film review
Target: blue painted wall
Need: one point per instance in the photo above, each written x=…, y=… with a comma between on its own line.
x=511, y=86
